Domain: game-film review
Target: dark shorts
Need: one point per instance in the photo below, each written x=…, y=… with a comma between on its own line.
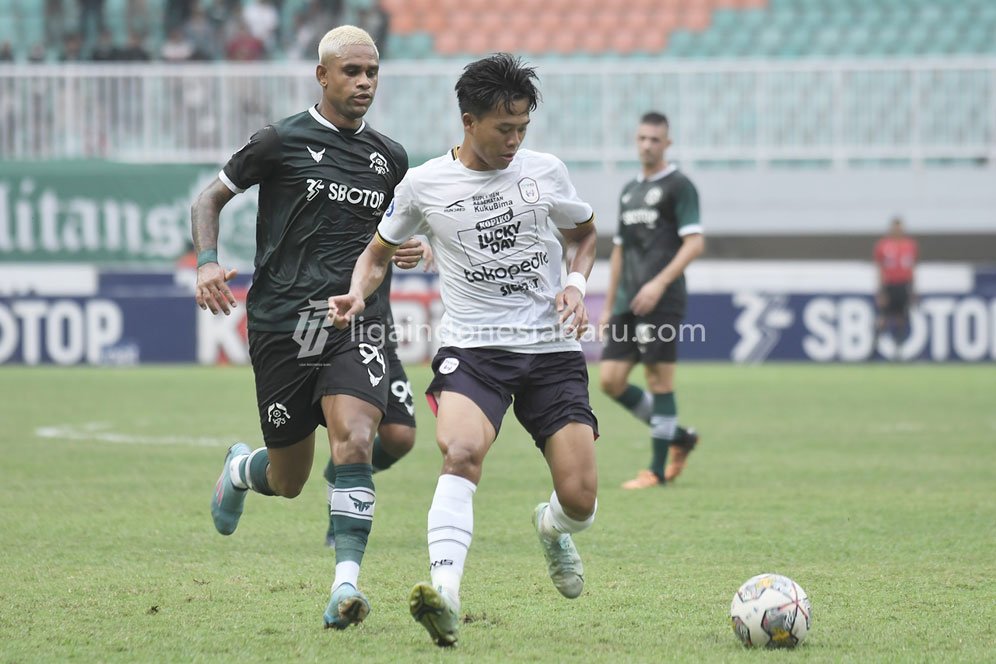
x=648, y=339
x=550, y=390
x=400, y=399
x=292, y=379
x=897, y=299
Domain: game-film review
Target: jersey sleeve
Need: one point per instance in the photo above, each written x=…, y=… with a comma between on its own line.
x=403, y=218
x=254, y=162
x=567, y=210
x=687, y=210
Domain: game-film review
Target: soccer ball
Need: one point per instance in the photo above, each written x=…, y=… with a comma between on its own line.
x=771, y=610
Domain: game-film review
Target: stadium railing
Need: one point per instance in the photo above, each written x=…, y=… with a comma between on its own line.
x=743, y=113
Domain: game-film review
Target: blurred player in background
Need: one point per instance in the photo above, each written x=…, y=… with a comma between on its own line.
x=659, y=234
x=325, y=178
x=895, y=257
x=509, y=329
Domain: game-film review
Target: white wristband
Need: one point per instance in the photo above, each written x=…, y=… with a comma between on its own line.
x=577, y=280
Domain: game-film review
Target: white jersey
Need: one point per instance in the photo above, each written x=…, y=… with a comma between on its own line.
x=499, y=260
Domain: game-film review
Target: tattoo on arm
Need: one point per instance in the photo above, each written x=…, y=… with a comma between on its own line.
x=204, y=215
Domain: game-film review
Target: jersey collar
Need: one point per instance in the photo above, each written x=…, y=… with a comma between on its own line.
x=663, y=173
x=320, y=119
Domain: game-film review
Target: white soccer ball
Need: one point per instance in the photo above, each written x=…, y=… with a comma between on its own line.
x=772, y=611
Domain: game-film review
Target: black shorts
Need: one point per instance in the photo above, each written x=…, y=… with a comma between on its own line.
x=648, y=339
x=400, y=399
x=292, y=379
x=897, y=299
x=550, y=390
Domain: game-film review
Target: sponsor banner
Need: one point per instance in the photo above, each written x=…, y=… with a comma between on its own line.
x=751, y=326
x=130, y=318
x=113, y=214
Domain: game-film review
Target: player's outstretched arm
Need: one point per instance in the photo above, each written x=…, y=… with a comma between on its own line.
x=570, y=301
x=212, y=289
x=368, y=273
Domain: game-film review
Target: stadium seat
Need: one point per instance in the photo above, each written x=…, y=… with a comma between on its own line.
x=683, y=28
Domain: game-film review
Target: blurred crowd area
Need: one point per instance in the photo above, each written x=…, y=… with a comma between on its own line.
x=178, y=30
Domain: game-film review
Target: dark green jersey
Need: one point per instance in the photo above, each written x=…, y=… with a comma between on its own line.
x=654, y=215
x=322, y=191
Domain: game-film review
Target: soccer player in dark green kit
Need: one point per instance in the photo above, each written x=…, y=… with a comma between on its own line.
x=325, y=180
x=659, y=235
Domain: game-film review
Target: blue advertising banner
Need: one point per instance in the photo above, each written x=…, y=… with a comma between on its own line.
x=94, y=317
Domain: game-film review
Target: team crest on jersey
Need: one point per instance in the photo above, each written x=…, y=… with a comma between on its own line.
x=653, y=197
x=378, y=163
x=625, y=199
x=529, y=190
x=316, y=155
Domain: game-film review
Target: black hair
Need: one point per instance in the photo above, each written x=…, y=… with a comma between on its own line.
x=497, y=81
x=655, y=118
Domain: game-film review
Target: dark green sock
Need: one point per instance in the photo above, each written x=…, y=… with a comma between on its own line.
x=637, y=401
x=663, y=424
x=352, y=510
x=255, y=475
x=329, y=472
x=381, y=461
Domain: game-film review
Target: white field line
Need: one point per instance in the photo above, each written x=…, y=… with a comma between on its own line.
x=101, y=432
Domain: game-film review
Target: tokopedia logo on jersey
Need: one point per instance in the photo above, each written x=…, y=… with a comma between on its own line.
x=531, y=264
x=343, y=193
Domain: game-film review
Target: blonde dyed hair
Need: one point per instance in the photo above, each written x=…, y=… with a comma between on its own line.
x=337, y=39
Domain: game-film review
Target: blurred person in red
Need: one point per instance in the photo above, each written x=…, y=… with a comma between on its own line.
x=895, y=257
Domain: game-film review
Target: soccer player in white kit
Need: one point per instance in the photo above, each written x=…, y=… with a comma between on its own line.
x=510, y=326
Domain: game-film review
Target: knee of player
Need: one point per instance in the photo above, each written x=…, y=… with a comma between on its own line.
x=397, y=440
x=460, y=458
x=611, y=385
x=580, y=502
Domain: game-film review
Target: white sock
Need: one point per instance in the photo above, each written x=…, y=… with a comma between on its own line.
x=347, y=571
x=233, y=471
x=555, y=522
x=663, y=426
x=451, y=528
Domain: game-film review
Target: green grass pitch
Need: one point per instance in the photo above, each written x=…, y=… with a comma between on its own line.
x=874, y=487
